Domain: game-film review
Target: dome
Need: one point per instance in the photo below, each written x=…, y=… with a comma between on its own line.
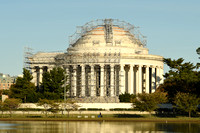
x=108, y=33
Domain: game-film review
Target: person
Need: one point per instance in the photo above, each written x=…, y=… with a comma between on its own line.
x=99, y=116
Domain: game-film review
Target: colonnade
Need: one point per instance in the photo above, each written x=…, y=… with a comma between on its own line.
x=37, y=72
x=107, y=79
x=112, y=80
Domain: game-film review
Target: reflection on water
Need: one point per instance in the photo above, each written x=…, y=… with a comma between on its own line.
x=96, y=127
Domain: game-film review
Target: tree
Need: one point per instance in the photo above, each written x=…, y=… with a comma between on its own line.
x=54, y=107
x=182, y=77
x=45, y=103
x=53, y=83
x=126, y=97
x=187, y=102
x=23, y=88
x=149, y=102
x=69, y=105
x=11, y=104
x=198, y=52
x=2, y=108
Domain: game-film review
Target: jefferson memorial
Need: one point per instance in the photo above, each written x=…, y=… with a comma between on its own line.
x=105, y=58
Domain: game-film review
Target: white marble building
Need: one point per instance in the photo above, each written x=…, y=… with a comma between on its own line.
x=105, y=58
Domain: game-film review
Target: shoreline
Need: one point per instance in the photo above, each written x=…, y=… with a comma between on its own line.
x=165, y=120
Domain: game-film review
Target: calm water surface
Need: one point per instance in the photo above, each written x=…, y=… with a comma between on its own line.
x=96, y=127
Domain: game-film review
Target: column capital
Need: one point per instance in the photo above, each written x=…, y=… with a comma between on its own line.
x=82, y=65
x=101, y=65
x=92, y=65
x=152, y=66
x=138, y=65
x=146, y=66
x=75, y=66
x=112, y=65
x=122, y=65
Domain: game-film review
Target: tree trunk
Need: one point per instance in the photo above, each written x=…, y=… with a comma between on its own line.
x=46, y=113
x=62, y=112
x=1, y=114
x=25, y=98
x=10, y=113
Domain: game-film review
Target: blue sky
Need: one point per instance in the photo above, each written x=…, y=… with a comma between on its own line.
x=172, y=27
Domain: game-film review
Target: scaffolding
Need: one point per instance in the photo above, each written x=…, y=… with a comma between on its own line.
x=91, y=85
x=92, y=62
x=28, y=52
x=108, y=30
x=108, y=24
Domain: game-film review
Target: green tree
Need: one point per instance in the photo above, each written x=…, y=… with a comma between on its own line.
x=2, y=108
x=5, y=92
x=149, y=102
x=23, y=88
x=182, y=77
x=11, y=104
x=53, y=83
x=198, y=52
x=1, y=93
x=187, y=102
x=126, y=97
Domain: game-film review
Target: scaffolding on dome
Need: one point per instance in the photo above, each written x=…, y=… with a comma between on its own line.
x=107, y=23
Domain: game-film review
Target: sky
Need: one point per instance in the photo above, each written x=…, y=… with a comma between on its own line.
x=172, y=27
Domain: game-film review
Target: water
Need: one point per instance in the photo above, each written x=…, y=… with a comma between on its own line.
x=96, y=127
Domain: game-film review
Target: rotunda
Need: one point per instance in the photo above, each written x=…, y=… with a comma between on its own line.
x=106, y=58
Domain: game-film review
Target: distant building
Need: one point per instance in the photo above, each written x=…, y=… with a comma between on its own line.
x=6, y=81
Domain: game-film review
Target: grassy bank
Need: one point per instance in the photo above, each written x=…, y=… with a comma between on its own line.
x=94, y=117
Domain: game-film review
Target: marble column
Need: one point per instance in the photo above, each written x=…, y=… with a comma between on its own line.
x=67, y=75
x=83, y=80
x=40, y=77
x=105, y=81
x=117, y=80
x=153, y=82
x=112, y=87
x=140, y=78
x=102, y=81
x=34, y=73
x=92, y=84
x=131, y=80
x=157, y=77
x=161, y=75
x=147, y=79
x=74, y=81
x=122, y=79
x=135, y=79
